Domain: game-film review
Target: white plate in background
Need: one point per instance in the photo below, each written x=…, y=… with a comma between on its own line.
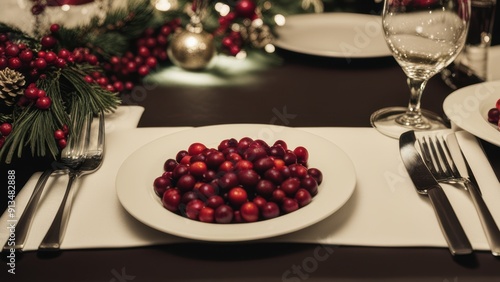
x=342, y=35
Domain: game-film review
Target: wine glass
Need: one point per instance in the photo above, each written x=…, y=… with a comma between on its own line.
x=424, y=37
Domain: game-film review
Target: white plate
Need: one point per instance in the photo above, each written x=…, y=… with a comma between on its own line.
x=137, y=173
x=342, y=35
x=468, y=108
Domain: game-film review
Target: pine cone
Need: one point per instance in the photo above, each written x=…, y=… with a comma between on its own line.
x=11, y=85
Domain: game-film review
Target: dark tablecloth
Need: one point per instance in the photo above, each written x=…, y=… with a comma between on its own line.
x=300, y=91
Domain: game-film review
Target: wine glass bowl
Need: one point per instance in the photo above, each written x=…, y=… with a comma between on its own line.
x=424, y=37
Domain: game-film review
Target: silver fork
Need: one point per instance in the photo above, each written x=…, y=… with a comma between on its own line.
x=61, y=164
x=93, y=156
x=442, y=163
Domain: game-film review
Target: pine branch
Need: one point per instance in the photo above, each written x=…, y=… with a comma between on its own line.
x=113, y=37
x=95, y=98
x=18, y=35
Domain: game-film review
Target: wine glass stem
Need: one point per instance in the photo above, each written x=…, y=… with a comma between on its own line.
x=413, y=114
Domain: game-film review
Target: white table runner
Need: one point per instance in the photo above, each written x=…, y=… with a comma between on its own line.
x=385, y=209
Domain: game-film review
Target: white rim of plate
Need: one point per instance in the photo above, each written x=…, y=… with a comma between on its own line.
x=468, y=109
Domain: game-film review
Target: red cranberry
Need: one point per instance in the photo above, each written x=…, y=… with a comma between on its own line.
x=179, y=171
x=310, y=184
x=48, y=41
x=226, y=166
x=12, y=50
x=277, y=151
x=188, y=196
x=243, y=165
x=41, y=93
x=62, y=143
x=254, y=153
x=206, y=190
x=60, y=63
x=215, y=159
x=5, y=128
x=170, y=165
x=274, y=176
x=303, y=197
x=302, y=154
x=289, y=158
x=290, y=186
x=196, y=148
x=59, y=134
x=237, y=196
x=54, y=28
x=50, y=57
x=207, y=214
x=270, y=210
x=249, y=212
x=265, y=188
x=43, y=103
x=289, y=205
x=248, y=178
x=215, y=201
x=281, y=143
x=198, y=169
x=259, y=201
x=15, y=63
x=316, y=174
x=3, y=62
x=223, y=214
x=243, y=144
x=228, y=181
x=161, y=185
x=193, y=209
x=278, y=195
x=263, y=164
x=186, y=182
x=298, y=170
x=40, y=63
x=26, y=56
x=171, y=201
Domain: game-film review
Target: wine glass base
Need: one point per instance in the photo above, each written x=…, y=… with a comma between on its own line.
x=388, y=121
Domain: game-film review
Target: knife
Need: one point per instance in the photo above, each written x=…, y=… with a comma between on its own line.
x=487, y=221
x=426, y=184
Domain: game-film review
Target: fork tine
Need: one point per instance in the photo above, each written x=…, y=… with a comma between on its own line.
x=424, y=150
x=445, y=151
x=437, y=156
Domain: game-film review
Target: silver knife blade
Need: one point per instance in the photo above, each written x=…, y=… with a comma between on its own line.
x=426, y=184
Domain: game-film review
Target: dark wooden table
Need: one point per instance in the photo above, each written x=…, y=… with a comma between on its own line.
x=301, y=91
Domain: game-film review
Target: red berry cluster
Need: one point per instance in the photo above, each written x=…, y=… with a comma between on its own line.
x=33, y=94
x=5, y=130
x=61, y=136
x=150, y=50
x=494, y=114
x=240, y=181
x=231, y=40
x=18, y=56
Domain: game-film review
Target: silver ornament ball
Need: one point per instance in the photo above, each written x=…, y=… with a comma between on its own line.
x=192, y=49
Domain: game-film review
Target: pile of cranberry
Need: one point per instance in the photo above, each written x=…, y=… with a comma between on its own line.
x=242, y=180
x=494, y=114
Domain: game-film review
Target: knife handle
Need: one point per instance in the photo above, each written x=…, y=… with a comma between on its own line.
x=488, y=222
x=450, y=225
